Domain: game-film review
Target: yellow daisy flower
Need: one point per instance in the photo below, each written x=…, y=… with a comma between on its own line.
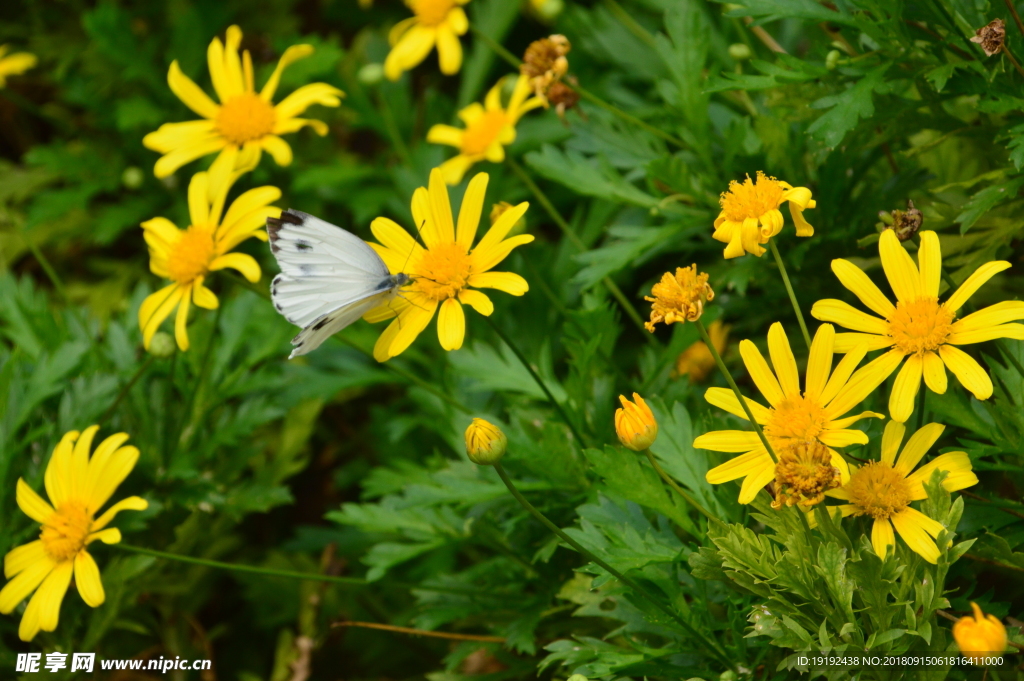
x=679, y=298
x=756, y=202
x=918, y=327
x=884, y=489
x=245, y=123
x=14, y=64
x=443, y=272
x=436, y=22
x=78, y=487
x=979, y=636
x=187, y=256
x=489, y=129
x=815, y=414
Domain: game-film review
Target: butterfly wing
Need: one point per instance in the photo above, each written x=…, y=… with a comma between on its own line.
x=329, y=277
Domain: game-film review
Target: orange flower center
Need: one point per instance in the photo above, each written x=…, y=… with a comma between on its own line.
x=65, y=532
x=751, y=199
x=878, y=490
x=482, y=133
x=920, y=326
x=798, y=419
x=432, y=12
x=191, y=256
x=443, y=272
x=246, y=118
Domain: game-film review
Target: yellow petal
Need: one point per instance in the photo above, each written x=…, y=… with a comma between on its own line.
x=454, y=169
x=391, y=235
x=934, y=373
x=509, y=282
x=203, y=297
x=87, y=579
x=411, y=325
x=57, y=478
x=929, y=259
x=862, y=383
x=729, y=441
x=501, y=227
x=51, y=594
x=305, y=97
x=168, y=163
x=189, y=93
x=912, y=531
x=411, y=49
x=117, y=468
x=843, y=371
x=445, y=134
x=819, y=362
x=1015, y=331
x=904, y=389
x=845, y=315
x=761, y=374
x=850, y=420
x=79, y=468
x=959, y=474
x=917, y=446
x=803, y=228
x=155, y=309
x=843, y=437
x=22, y=557
x=242, y=262
x=783, y=360
x=198, y=199
x=973, y=283
x=249, y=201
x=24, y=583
x=477, y=300
x=441, y=208
x=31, y=504
x=723, y=398
x=882, y=537
x=111, y=535
x=98, y=465
x=449, y=50
x=181, y=320
x=754, y=482
x=846, y=342
x=469, y=212
x=457, y=20
x=277, y=148
x=451, y=324
x=483, y=260
x=291, y=55
x=892, y=436
x=993, y=315
x=219, y=178
x=967, y=370
x=741, y=466
x=172, y=136
x=129, y=504
x=899, y=268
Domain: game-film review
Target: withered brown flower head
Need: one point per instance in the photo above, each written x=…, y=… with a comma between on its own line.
x=906, y=223
x=991, y=37
x=803, y=474
x=544, y=63
x=563, y=96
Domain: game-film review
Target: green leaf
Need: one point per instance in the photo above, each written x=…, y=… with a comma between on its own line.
x=674, y=451
x=846, y=108
x=628, y=245
x=987, y=199
x=586, y=176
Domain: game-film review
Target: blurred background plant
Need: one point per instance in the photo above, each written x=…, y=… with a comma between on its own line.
x=336, y=464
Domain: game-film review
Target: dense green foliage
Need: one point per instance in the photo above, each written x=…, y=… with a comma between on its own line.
x=336, y=464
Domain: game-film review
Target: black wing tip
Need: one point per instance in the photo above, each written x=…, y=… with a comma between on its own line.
x=274, y=225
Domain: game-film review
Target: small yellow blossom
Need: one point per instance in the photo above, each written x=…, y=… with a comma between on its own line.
x=14, y=64
x=485, y=443
x=679, y=298
x=884, y=489
x=187, y=257
x=489, y=129
x=436, y=22
x=245, y=123
x=78, y=486
x=445, y=275
x=696, y=361
x=918, y=327
x=635, y=424
x=804, y=474
x=750, y=213
x=979, y=636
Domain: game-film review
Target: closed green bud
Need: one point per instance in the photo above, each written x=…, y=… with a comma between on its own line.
x=371, y=74
x=485, y=443
x=162, y=345
x=132, y=177
x=740, y=52
x=832, y=59
x=577, y=677
x=728, y=675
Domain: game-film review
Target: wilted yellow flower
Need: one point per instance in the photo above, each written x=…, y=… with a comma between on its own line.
x=804, y=474
x=635, y=424
x=489, y=129
x=544, y=63
x=436, y=22
x=979, y=636
x=187, y=257
x=485, y=443
x=919, y=328
x=78, y=486
x=446, y=273
x=750, y=213
x=697, y=361
x=14, y=64
x=818, y=413
x=679, y=298
x=245, y=123
x=884, y=489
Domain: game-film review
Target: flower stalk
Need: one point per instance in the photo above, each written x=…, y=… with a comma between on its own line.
x=791, y=292
x=672, y=483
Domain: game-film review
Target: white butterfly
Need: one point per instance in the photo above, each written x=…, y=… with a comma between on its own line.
x=329, y=277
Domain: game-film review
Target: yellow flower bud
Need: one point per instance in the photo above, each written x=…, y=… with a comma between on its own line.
x=979, y=636
x=485, y=443
x=635, y=424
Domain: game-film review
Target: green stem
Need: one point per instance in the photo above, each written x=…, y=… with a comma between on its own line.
x=629, y=22
x=393, y=132
x=497, y=48
x=712, y=646
x=920, y=406
x=789, y=290
x=1016, y=17
x=55, y=279
x=612, y=287
x=735, y=388
x=201, y=378
x=536, y=377
x=127, y=387
x=672, y=483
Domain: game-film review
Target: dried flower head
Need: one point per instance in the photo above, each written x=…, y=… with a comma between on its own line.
x=544, y=63
x=803, y=474
x=906, y=223
x=679, y=298
x=563, y=96
x=991, y=37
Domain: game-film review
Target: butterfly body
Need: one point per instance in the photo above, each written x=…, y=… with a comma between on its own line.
x=329, y=277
